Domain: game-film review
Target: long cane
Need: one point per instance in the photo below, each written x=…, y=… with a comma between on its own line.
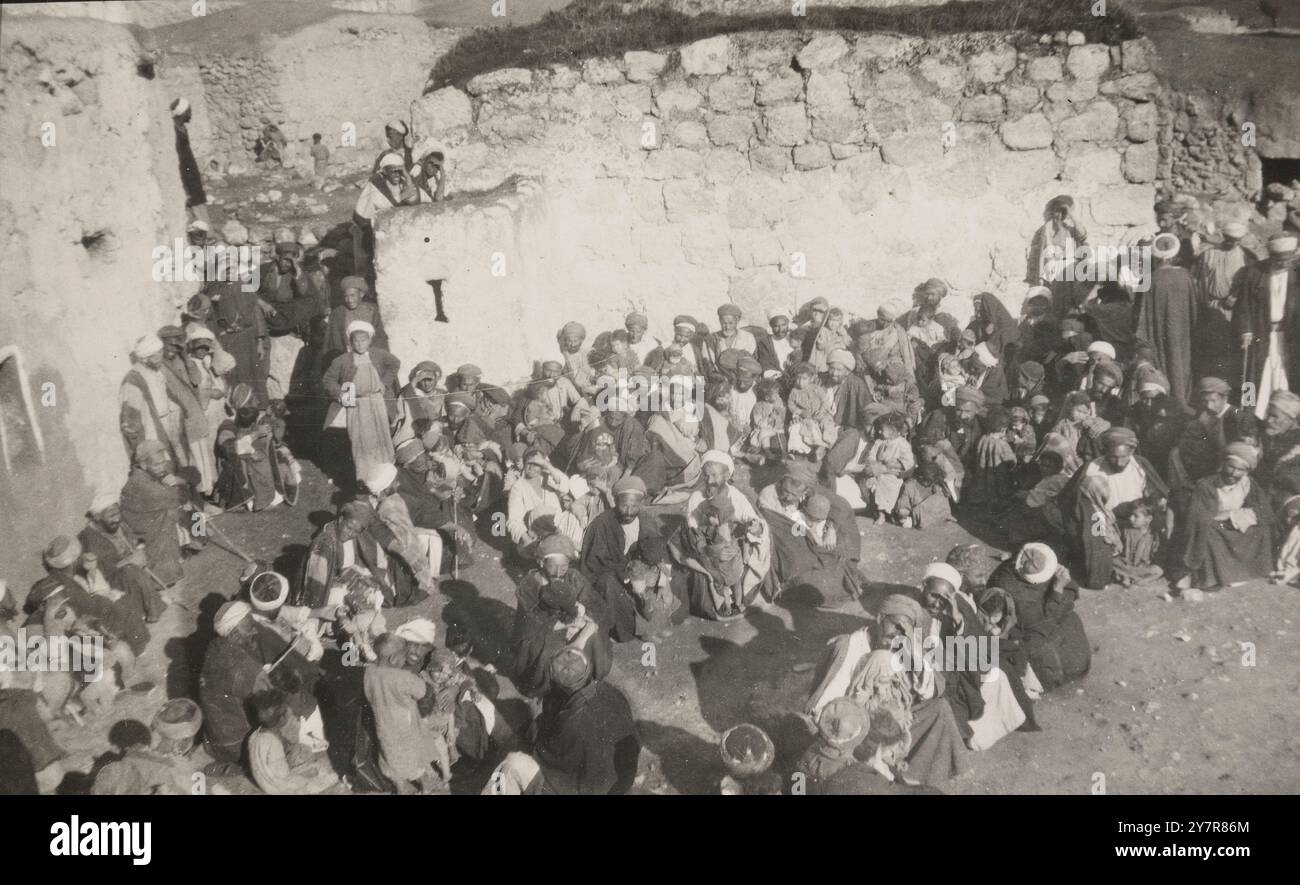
x=1245, y=366
x=228, y=544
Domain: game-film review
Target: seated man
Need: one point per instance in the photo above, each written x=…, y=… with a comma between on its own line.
x=123, y=565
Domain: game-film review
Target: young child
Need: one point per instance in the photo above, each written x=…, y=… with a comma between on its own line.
x=538, y=414
x=620, y=352
x=1287, y=569
x=924, y=502
x=833, y=336
x=722, y=555
x=995, y=462
x=321, y=161
x=767, y=420
x=654, y=600
x=407, y=748
x=1024, y=442
x=812, y=426
x=438, y=707
x=1076, y=409
x=887, y=461
x=936, y=447
x=952, y=377
x=897, y=389
x=1138, y=545
x=359, y=616
x=278, y=769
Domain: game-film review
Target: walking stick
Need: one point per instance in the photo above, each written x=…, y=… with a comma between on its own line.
x=1245, y=366
x=228, y=544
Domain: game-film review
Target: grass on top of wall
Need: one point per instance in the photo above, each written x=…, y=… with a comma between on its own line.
x=591, y=28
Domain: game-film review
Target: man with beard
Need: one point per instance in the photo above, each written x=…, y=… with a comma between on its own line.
x=729, y=335
x=420, y=399
x=1204, y=438
x=354, y=307
x=1107, y=378
x=148, y=411
x=152, y=503
x=182, y=388
x=959, y=424
x=610, y=544
x=781, y=346
x=636, y=325
x=849, y=394
x=430, y=508
x=1279, y=470
x=389, y=186
x=1266, y=319
x=576, y=366
x=123, y=565
x=692, y=359
x=488, y=401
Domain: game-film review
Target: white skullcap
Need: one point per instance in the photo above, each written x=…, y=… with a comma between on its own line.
x=281, y=594
x=944, y=572
x=420, y=630
x=1165, y=246
x=147, y=345
x=380, y=477
x=840, y=357
x=200, y=333
x=361, y=326
x=1036, y=562
x=180, y=106
x=229, y=616
x=1102, y=347
x=713, y=456
x=391, y=160
x=985, y=355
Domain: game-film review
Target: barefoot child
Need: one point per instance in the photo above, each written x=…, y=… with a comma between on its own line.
x=812, y=426
x=767, y=420
x=887, y=461
x=1134, y=564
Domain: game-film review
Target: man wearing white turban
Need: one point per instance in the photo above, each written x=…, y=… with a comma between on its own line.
x=147, y=411
x=1266, y=320
x=363, y=386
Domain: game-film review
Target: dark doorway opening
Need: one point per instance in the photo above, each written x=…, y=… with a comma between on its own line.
x=1279, y=170
x=441, y=316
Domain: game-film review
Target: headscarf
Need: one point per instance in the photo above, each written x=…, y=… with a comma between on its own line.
x=1115, y=437
x=1286, y=402
x=229, y=616
x=713, y=456
x=360, y=326
x=1242, y=452
x=1030, y=376
x=896, y=605
x=147, y=346
x=62, y=552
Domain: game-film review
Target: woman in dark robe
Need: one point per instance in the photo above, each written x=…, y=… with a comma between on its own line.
x=1112, y=316
x=1030, y=381
x=1167, y=315
x=993, y=325
x=1229, y=537
x=1052, y=632
x=1129, y=477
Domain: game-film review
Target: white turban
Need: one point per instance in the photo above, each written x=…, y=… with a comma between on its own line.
x=200, y=333
x=380, y=477
x=229, y=616
x=398, y=125
x=713, y=456
x=841, y=358
x=180, y=106
x=361, y=326
x=282, y=593
x=391, y=160
x=1282, y=245
x=1102, y=347
x=199, y=224
x=420, y=630
x=147, y=346
x=944, y=572
x=1036, y=562
x=429, y=146
x=103, y=501
x=1165, y=246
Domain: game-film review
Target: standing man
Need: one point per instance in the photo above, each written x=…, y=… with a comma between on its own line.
x=781, y=345
x=195, y=198
x=1215, y=353
x=1266, y=318
x=147, y=410
x=1168, y=314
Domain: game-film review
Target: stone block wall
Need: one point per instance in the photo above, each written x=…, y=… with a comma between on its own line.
x=1215, y=143
x=351, y=70
x=81, y=210
x=766, y=169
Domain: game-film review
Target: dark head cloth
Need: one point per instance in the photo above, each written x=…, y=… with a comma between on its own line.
x=469, y=370
x=1213, y=385
x=729, y=310
x=572, y=328
x=683, y=320
x=1116, y=437
x=171, y=333
x=629, y=485
x=636, y=320
x=969, y=395
x=353, y=283
x=408, y=450
x=570, y=669
x=556, y=545
x=359, y=512
x=1075, y=398
x=749, y=365
x=1030, y=373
